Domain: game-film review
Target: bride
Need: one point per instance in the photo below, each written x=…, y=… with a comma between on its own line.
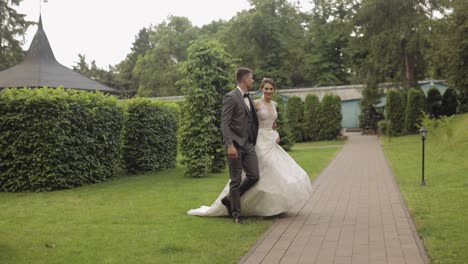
x=282, y=184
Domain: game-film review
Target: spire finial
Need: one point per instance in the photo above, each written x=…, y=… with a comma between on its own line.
x=40, y=7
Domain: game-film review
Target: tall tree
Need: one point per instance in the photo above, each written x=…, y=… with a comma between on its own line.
x=328, y=33
x=214, y=29
x=92, y=71
x=13, y=26
x=125, y=68
x=207, y=74
x=389, y=40
x=392, y=34
x=269, y=39
x=457, y=51
x=436, y=54
x=157, y=71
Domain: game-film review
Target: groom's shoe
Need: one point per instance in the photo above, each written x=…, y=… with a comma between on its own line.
x=225, y=201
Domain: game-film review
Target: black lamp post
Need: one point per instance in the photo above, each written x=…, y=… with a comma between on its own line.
x=423, y=132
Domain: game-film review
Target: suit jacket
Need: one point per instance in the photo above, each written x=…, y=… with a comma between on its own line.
x=238, y=123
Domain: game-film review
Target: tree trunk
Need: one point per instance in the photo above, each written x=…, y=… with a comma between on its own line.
x=410, y=73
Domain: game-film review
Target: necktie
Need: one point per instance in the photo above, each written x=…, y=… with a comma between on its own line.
x=246, y=100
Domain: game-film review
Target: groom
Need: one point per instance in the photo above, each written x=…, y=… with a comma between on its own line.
x=239, y=125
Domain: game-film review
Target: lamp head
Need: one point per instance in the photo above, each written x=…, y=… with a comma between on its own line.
x=423, y=132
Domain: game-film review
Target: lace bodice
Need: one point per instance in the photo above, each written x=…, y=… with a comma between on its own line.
x=266, y=113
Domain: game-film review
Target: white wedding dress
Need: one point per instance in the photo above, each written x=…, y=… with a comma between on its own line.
x=282, y=184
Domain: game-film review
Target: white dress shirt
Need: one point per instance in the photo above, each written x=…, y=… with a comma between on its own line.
x=246, y=100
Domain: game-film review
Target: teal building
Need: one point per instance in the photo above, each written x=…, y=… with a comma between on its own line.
x=350, y=109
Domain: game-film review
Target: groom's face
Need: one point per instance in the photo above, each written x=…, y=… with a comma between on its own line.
x=249, y=81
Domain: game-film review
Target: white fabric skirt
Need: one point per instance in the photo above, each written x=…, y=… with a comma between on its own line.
x=282, y=184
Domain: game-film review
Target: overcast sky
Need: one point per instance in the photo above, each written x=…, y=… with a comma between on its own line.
x=104, y=30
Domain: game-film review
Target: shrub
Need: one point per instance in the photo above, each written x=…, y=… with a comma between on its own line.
x=414, y=109
x=369, y=118
x=150, y=135
x=330, y=117
x=434, y=103
x=462, y=99
x=286, y=137
x=384, y=127
x=55, y=139
x=449, y=102
x=404, y=97
x=295, y=116
x=207, y=74
x=395, y=113
x=311, y=110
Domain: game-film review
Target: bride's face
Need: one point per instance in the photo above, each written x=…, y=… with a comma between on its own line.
x=268, y=91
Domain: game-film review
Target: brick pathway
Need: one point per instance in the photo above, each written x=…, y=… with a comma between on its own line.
x=355, y=215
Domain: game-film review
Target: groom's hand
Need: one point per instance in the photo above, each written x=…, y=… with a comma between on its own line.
x=232, y=152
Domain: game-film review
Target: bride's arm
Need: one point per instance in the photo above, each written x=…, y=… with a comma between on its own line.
x=256, y=104
x=275, y=124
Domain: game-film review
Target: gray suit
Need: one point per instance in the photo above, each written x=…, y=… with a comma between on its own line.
x=239, y=126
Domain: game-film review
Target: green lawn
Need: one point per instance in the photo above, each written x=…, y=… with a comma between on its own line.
x=132, y=219
x=440, y=209
x=324, y=143
x=312, y=159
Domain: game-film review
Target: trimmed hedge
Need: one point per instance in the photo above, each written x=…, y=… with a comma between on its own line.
x=449, y=102
x=311, y=110
x=54, y=139
x=416, y=104
x=434, y=103
x=395, y=113
x=462, y=99
x=284, y=131
x=150, y=135
x=384, y=127
x=295, y=117
x=369, y=118
x=207, y=75
x=330, y=117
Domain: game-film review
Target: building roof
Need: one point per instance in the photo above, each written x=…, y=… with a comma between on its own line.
x=40, y=68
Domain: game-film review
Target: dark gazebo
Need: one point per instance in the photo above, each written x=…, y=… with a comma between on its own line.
x=40, y=68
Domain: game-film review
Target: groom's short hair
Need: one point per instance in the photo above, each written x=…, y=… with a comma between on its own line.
x=241, y=72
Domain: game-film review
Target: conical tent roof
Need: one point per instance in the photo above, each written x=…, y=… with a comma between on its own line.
x=40, y=68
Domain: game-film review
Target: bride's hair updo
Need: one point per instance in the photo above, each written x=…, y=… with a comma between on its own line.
x=267, y=80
